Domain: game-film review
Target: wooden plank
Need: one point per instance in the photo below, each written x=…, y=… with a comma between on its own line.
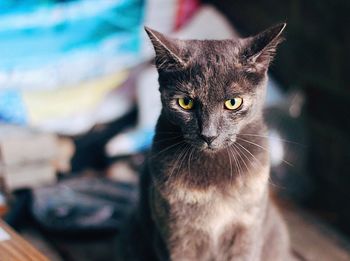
x=15, y=248
x=313, y=240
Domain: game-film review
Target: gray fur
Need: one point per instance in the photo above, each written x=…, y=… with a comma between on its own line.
x=202, y=200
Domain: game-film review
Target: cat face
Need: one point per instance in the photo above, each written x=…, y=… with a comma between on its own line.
x=211, y=89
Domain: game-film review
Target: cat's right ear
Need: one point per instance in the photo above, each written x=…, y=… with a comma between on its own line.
x=260, y=49
x=167, y=51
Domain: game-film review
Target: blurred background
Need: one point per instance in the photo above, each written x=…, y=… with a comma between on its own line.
x=79, y=101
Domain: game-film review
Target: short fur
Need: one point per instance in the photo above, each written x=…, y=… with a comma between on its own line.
x=209, y=200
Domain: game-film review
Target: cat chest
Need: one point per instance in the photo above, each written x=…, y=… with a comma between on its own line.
x=218, y=220
x=224, y=218
x=212, y=215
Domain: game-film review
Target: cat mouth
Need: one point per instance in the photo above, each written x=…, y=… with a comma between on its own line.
x=215, y=147
x=204, y=146
x=210, y=148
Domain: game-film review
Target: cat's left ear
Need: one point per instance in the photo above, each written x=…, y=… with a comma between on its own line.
x=168, y=51
x=259, y=50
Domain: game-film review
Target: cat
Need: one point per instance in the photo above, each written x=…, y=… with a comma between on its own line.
x=204, y=192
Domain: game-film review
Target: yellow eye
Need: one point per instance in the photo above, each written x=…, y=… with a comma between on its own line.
x=233, y=104
x=185, y=103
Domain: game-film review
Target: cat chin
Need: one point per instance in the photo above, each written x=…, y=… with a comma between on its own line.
x=213, y=150
x=210, y=149
x=205, y=148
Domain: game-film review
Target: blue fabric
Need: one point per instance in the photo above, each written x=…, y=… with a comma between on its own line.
x=32, y=37
x=11, y=107
x=47, y=44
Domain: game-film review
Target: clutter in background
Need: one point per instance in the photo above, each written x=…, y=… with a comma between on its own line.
x=23, y=164
x=288, y=144
x=61, y=61
x=31, y=158
x=85, y=205
x=3, y=204
x=43, y=44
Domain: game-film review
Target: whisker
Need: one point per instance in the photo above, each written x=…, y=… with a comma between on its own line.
x=245, y=156
x=229, y=156
x=234, y=157
x=270, y=137
x=259, y=146
x=177, y=159
x=253, y=143
x=269, y=178
x=239, y=155
x=237, y=162
x=187, y=148
x=167, y=148
x=189, y=160
x=255, y=158
x=274, y=184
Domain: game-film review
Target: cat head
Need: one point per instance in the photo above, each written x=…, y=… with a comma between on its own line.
x=212, y=89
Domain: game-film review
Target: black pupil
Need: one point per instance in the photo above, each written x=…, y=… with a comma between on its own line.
x=232, y=102
x=187, y=101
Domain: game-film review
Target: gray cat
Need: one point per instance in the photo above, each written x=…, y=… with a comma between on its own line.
x=204, y=192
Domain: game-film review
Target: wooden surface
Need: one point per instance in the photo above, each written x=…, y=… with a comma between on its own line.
x=312, y=239
x=14, y=248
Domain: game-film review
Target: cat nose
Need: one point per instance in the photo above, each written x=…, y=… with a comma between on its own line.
x=208, y=139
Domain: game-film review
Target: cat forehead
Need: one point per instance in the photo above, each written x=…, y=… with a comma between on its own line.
x=215, y=63
x=212, y=50
x=208, y=86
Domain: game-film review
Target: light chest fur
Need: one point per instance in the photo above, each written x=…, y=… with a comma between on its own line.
x=212, y=212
